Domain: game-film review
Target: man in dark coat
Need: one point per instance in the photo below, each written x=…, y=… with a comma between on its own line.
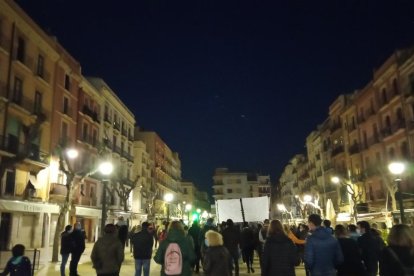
x=231, y=239
x=194, y=232
x=65, y=247
x=370, y=247
x=78, y=243
x=142, y=243
x=122, y=230
x=322, y=251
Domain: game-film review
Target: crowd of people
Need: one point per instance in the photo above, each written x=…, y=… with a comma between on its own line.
x=213, y=250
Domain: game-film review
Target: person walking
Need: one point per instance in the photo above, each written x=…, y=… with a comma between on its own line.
x=217, y=259
x=108, y=253
x=247, y=245
x=142, y=242
x=352, y=265
x=322, y=251
x=397, y=259
x=18, y=265
x=122, y=230
x=175, y=241
x=280, y=255
x=78, y=246
x=231, y=240
x=370, y=247
x=194, y=232
x=65, y=247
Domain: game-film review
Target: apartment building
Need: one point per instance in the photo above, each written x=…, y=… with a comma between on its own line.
x=232, y=184
x=166, y=171
x=192, y=195
x=365, y=131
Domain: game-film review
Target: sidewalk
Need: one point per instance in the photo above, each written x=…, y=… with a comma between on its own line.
x=128, y=266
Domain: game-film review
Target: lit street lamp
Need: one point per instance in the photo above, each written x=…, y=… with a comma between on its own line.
x=168, y=198
x=397, y=168
x=105, y=168
x=72, y=153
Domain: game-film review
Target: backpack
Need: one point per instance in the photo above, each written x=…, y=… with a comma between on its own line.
x=173, y=260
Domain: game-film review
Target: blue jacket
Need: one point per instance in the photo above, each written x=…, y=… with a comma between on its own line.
x=322, y=252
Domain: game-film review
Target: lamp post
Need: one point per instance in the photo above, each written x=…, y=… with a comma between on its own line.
x=397, y=168
x=168, y=198
x=105, y=169
x=188, y=207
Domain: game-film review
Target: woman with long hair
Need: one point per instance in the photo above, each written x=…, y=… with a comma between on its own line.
x=280, y=255
x=397, y=259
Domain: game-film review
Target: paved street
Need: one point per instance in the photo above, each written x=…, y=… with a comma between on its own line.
x=85, y=267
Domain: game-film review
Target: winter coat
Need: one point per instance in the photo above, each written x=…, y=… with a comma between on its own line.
x=66, y=244
x=279, y=256
x=370, y=247
x=231, y=239
x=217, y=259
x=107, y=254
x=18, y=266
x=322, y=252
x=352, y=264
x=194, y=232
x=247, y=239
x=142, y=243
x=389, y=266
x=176, y=236
x=78, y=241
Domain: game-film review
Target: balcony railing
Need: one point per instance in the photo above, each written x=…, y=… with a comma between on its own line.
x=354, y=149
x=337, y=150
x=107, y=118
x=12, y=145
x=335, y=126
x=124, y=132
x=89, y=112
x=117, y=126
x=25, y=60
x=93, y=141
x=117, y=149
x=107, y=143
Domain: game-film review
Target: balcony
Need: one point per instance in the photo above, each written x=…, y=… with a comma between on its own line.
x=117, y=149
x=361, y=119
x=131, y=137
x=397, y=125
x=386, y=131
x=93, y=141
x=67, y=111
x=375, y=139
x=44, y=75
x=89, y=112
x=369, y=112
x=354, y=149
x=4, y=42
x=117, y=126
x=107, y=143
x=28, y=105
x=13, y=146
x=336, y=126
x=57, y=192
x=107, y=119
x=352, y=127
x=337, y=150
x=25, y=60
x=124, y=132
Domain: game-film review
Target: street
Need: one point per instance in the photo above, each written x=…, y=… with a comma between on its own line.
x=128, y=267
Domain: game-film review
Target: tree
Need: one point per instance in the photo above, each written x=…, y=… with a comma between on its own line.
x=123, y=188
x=30, y=133
x=356, y=191
x=73, y=179
x=389, y=184
x=150, y=192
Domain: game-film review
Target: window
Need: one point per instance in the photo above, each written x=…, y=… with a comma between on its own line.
x=395, y=87
x=388, y=123
x=391, y=153
x=64, y=131
x=21, y=49
x=229, y=191
x=67, y=82
x=94, y=137
x=384, y=96
x=37, y=109
x=66, y=106
x=10, y=180
x=400, y=116
x=40, y=66
x=17, y=90
x=85, y=132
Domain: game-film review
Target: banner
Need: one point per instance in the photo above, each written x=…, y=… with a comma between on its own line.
x=255, y=209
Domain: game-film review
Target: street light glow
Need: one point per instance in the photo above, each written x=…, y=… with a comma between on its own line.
x=168, y=197
x=396, y=168
x=335, y=180
x=188, y=207
x=307, y=198
x=106, y=168
x=281, y=207
x=72, y=153
x=199, y=211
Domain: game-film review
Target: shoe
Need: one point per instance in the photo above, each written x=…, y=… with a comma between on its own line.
x=252, y=270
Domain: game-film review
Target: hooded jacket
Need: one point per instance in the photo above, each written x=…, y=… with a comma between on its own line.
x=107, y=254
x=217, y=259
x=322, y=252
x=18, y=266
x=176, y=236
x=279, y=256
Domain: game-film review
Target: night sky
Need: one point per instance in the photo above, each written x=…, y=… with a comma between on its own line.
x=229, y=83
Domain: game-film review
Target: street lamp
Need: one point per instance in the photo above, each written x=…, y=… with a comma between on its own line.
x=72, y=153
x=397, y=168
x=168, y=198
x=105, y=168
x=307, y=198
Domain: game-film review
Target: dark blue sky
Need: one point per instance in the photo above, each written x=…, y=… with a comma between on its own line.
x=229, y=83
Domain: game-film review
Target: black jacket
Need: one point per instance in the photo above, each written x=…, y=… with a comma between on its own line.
x=142, y=242
x=217, y=261
x=352, y=264
x=66, y=244
x=370, y=247
x=78, y=241
x=389, y=266
x=279, y=256
x=231, y=239
x=18, y=266
x=247, y=238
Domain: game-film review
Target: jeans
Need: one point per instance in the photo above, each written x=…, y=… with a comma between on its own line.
x=142, y=264
x=65, y=258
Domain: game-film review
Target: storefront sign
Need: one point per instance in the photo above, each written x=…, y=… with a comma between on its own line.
x=27, y=207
